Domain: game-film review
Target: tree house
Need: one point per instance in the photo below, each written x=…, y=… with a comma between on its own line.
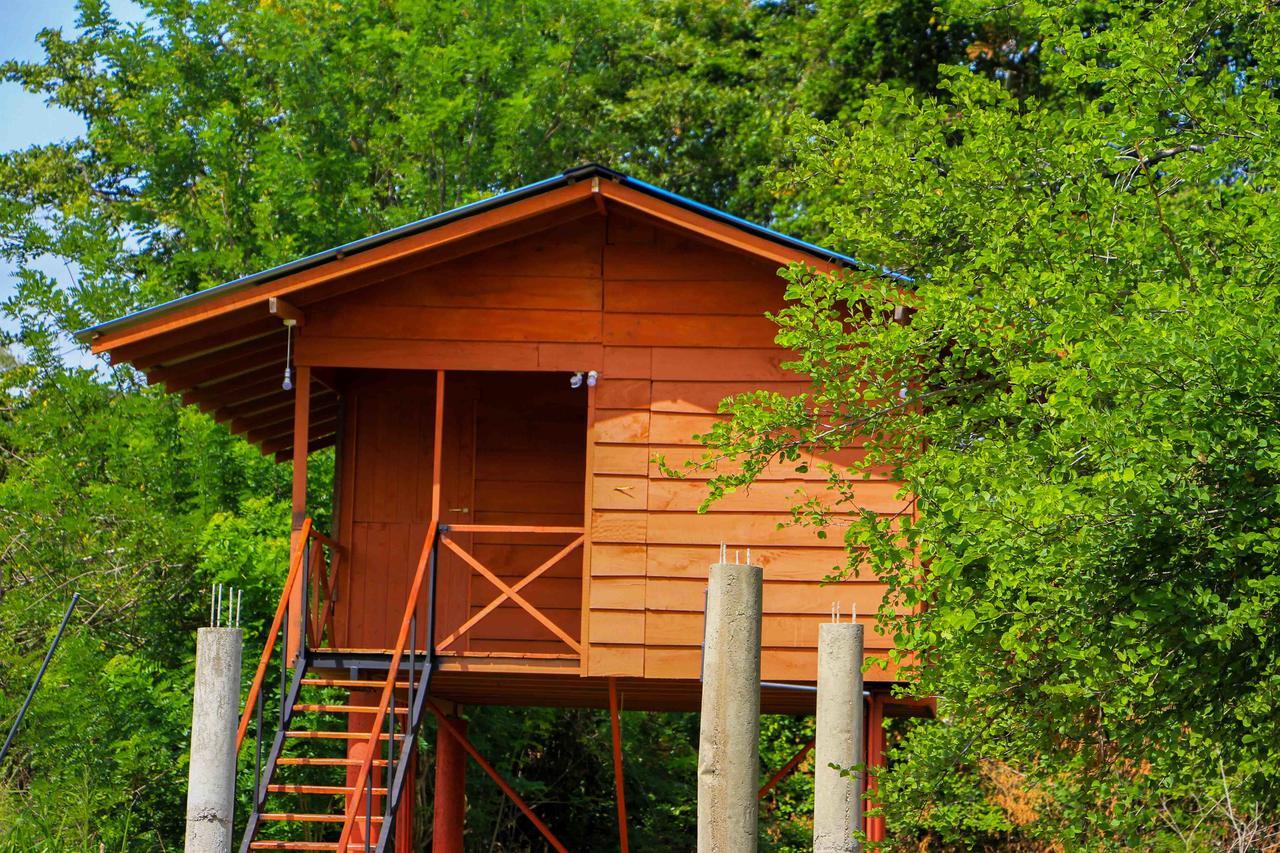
x=497, y=382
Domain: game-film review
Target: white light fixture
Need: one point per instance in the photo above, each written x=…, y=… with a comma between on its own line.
x=592, y=378
x=575, y=381
x=288, y=354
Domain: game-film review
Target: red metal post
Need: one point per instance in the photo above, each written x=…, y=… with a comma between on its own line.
x=619, y=790
x=875, y=761
x=449, y=820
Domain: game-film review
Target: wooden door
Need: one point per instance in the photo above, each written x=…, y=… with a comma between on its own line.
x=457, y=506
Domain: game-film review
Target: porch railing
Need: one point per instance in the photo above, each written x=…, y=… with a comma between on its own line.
x=321, y=557
x=509, y=592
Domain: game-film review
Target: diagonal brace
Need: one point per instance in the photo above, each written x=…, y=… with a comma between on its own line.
x=508, y=592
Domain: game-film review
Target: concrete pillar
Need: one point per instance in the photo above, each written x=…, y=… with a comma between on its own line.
x=449, y=819
x=837, y=798
x=729, y=738
x=211, y=782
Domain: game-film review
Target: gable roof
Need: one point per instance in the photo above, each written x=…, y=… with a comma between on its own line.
x=218, y=346
x=566, y=178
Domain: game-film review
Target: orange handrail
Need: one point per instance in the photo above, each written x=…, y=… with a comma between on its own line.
x=295, y=571
x=402, y=639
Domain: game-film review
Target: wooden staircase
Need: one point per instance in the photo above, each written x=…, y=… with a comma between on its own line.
x=304, y=788
x=330, y=760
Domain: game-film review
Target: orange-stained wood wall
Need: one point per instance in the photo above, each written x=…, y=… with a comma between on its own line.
x=673, y=325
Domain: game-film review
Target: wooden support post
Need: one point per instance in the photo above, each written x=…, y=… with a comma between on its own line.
x=875, y=761
x=404, y=811
x=449, y=820
x=301, y=433
x=449, y=726
x=619, y=790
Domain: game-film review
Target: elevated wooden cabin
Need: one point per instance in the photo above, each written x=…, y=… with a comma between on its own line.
x=483, y=493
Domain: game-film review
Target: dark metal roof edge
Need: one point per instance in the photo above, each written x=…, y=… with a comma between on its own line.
x=569, y=176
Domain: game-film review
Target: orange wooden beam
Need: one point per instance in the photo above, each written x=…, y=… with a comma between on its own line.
x=785, y=770
x=620, y=794
x=290, y=314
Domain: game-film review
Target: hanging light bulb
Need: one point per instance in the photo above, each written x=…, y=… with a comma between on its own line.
x=288, y=355
x=575, y=381
x=592, y=376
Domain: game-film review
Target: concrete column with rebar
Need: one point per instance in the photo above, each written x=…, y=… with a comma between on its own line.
x=211, y=781
x=837, y=789
x=729, y=741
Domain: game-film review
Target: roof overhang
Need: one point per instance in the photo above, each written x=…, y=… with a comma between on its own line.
x=223, y=350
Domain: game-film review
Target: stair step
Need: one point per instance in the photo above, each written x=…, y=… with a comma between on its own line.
x=327, y=762
x=336, y=735
x=353, y=683
x=311, y=818
x=343, y=709
x=336, y=790
x=303, y=845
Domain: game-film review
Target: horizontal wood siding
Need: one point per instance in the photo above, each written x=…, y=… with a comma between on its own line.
x=683, y=329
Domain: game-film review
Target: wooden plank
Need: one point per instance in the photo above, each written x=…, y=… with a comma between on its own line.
x=618, y=560
x=357, y=320
x=618, y=526
x=751, y=296
x=612, y=593
x=879, y=496
x=782, y=597
x=628, y=362
x=622, y=426
x=612, y=492
x=711, y=364
x=705, y=397
x=226, y=364
x=545, y=592
x=517, y=495
x=181, y=347
x=604, y=660
x=683, y=261
x=623, y=394
x=789, y=630
x=779, y=562
x=438, y=287
x=570, y=357
x=687, y=330
x=678, y=457
x=737, y=529
x=393, y=354
x=589, y=449
x=496, y=462
x=619, y=627
x=620, y=459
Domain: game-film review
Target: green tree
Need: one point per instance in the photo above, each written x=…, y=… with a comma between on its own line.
x=227, y=136
x=1076, y=382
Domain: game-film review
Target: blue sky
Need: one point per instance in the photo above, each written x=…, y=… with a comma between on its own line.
x=25, y=119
